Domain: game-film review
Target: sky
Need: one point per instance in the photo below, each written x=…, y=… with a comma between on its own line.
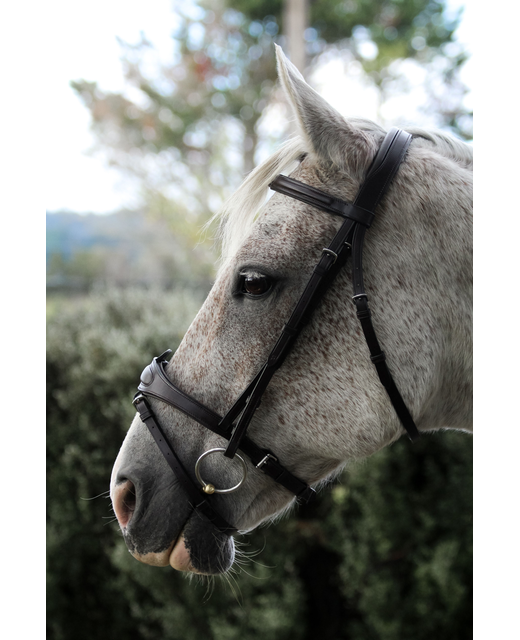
x=80, y=180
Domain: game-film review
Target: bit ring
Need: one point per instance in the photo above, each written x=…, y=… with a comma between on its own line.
x=209, y=488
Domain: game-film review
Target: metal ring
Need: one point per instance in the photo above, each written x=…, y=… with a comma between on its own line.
x=209, y=488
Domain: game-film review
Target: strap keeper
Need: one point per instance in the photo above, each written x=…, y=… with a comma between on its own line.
x=363, y=314
x=379, y=357
x=362, y=308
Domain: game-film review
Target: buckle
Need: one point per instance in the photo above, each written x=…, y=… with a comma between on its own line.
x=163, y=356
x=265, y=459
x=331, y=253
x=137, y=398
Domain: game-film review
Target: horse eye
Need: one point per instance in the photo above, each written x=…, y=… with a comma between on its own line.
x=256, y=285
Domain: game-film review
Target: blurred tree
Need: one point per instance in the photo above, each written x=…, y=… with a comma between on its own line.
x=95, y=353
x=295, y=26
x=189, y=127
x=392, y=25
x=195, y=115
x=380, y=36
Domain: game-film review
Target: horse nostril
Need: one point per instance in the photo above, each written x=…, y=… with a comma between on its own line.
x=124, y=502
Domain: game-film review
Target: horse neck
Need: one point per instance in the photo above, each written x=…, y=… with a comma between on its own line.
x=434, y=231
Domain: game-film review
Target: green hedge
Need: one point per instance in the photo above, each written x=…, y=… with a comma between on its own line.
x=383, y=554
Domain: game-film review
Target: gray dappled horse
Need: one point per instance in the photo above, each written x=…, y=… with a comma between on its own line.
x=325, y=405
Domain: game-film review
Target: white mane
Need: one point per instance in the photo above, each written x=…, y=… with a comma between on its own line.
x=448, y=146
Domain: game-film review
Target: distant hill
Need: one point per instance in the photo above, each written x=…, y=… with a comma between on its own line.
x=68, y=233
x=120, y=248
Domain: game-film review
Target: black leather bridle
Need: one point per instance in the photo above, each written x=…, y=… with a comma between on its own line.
x=233, y=426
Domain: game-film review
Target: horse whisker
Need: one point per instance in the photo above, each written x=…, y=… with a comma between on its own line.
x=101, y=495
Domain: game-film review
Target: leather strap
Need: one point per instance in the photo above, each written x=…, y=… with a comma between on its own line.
x=377, y=355
x=155, y=383
x=383, y=168
x=379, y=176
x=392, y=152
x=197, y=499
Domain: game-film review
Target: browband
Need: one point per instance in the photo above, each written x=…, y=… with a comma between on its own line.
x=304, y=192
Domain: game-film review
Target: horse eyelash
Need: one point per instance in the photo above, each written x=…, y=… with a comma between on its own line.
x=238, y=291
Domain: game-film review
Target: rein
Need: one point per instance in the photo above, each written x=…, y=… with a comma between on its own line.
x=358, y=217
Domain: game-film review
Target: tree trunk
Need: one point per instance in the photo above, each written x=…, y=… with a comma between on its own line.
x=250, y=143
x=295, y=21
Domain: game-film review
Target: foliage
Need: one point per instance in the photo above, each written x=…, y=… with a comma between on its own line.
x=384, y=554
x=196, y=113
x=392, y=25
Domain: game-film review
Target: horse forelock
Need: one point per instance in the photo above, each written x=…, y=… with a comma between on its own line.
x=238, y=214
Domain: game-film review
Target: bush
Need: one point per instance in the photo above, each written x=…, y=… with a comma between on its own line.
x=386, y=553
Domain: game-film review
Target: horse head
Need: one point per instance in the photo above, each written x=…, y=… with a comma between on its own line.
x=325, y=405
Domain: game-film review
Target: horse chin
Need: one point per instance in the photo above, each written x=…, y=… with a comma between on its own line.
x=205, y=555
x=202, y=549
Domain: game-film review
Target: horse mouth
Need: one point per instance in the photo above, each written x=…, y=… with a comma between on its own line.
x=180, y=560
x=207, y=555
x=198, y=548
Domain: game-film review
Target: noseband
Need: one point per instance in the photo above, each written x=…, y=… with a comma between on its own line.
x=233, y=426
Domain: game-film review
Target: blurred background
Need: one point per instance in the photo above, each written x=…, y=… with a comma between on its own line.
x=159, y=111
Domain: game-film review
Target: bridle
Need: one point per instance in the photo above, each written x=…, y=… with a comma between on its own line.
x=358, y=217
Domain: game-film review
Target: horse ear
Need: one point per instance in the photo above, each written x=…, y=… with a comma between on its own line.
x=326, y=131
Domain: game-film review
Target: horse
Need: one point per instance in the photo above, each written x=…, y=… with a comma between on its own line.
x=324, y=403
